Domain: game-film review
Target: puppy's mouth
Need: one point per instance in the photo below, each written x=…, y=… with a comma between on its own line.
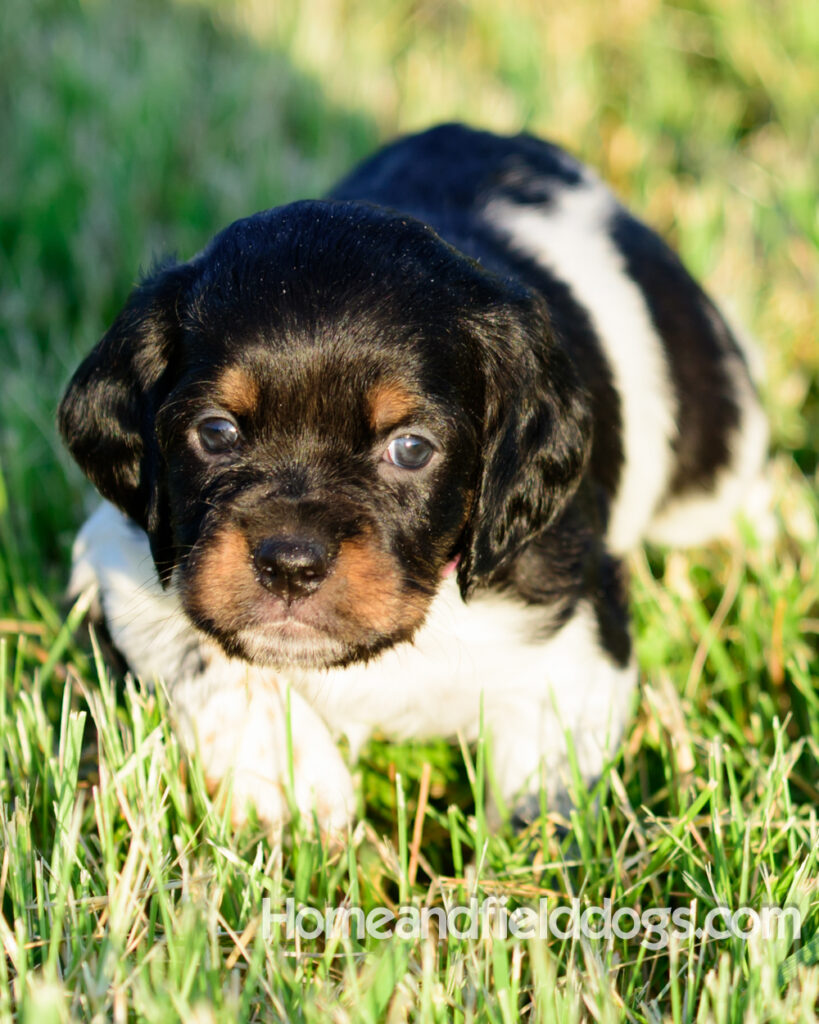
x=292, y=644
x=295, y=602
x=300, y=634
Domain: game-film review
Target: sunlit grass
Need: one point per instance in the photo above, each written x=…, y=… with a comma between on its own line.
x=134, y=129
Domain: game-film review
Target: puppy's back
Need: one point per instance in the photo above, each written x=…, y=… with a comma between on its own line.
x=680, y=437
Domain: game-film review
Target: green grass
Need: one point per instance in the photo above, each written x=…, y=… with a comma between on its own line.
x=134, y=129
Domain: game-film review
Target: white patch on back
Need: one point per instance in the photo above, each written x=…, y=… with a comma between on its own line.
x=696, y=518
x=569, y=237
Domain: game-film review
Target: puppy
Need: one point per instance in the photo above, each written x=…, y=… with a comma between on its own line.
x=374, y=461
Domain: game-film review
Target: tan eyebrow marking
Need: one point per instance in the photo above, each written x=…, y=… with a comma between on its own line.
x=389, y=404
x=237, y=391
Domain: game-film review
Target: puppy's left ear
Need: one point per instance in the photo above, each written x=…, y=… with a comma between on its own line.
x=106, y=417
x=537, y=432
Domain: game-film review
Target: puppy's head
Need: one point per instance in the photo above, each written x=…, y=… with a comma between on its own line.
x=316, y=416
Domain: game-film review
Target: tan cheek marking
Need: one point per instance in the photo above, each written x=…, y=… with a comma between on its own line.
x=374, y=595
x=223, y=582
x=238, y=391
x=389, y=404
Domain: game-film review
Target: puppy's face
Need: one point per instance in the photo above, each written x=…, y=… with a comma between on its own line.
x=316, y=417
x=317, y=485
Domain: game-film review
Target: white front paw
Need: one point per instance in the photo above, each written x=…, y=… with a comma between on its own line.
x=328, y=802
x=240, y=732
x=319, y=785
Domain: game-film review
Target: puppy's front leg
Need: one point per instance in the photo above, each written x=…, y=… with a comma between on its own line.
x=231, y=714
x=234, y=718
x=575, y=686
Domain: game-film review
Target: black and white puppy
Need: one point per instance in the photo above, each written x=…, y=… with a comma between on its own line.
x=387, y=450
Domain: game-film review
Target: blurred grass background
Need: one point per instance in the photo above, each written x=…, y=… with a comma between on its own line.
x=134, y=129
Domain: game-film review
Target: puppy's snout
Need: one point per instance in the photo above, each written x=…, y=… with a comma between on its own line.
x=292, y=567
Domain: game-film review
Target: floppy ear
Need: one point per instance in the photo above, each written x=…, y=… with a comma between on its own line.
x=537, y=432
x=106, y=417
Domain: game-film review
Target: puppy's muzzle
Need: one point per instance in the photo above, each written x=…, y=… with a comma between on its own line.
x=292, y=567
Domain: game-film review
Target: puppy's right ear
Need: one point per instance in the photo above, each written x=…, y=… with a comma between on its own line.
x=106, y=417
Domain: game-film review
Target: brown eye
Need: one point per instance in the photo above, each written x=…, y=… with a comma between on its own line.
x=218, y=434
x=409, y=452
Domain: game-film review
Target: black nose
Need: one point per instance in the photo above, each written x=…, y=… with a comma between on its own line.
x=291, y=567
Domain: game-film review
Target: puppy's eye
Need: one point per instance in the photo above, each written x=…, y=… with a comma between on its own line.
x=409, y=452
x=218, y=434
